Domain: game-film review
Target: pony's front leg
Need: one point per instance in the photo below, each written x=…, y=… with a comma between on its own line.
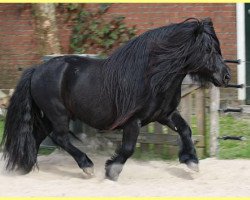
x=115, y=164
x=187, y=152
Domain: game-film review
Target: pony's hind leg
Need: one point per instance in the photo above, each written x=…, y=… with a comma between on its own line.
x=58, y=121
x=115, y=164
x=41, y=130
x=60, y=136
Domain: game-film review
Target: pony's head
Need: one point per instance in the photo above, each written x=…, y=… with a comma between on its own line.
x=191, y=47
x=205, y=63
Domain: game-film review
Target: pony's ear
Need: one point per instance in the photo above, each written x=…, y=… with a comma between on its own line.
x=207, y=21
x=201, y=25
x=199, y=28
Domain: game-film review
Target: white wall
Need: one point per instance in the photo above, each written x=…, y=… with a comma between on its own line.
x=241, y=48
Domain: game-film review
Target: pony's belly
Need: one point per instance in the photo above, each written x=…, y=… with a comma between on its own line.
x=101, y=120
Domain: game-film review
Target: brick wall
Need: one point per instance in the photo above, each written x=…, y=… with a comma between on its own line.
x=18, y=47
x=148, y=16
x=18, y=42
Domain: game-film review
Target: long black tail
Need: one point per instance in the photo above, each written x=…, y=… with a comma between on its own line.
x=20, y=149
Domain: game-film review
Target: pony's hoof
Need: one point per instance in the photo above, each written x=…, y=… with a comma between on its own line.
x=89, y=171
x=111, y=177
x=113, y=171
x=193, y=166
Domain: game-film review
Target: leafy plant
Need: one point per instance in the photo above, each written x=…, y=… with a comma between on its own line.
x=93, y=33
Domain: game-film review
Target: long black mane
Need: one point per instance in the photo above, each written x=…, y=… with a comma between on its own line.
x=160, y=55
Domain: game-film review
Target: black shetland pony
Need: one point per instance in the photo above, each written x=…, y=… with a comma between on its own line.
x=138, y=84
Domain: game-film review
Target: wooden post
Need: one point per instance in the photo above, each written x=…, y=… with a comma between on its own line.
x=144, y=146
x=157, y=128
x=200, y=115
x=158, y=148
x=214, y=120
x=186, y=105
x=172, y=151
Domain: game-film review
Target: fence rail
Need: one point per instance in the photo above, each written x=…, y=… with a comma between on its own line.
x=161, y=140
x=158, y=138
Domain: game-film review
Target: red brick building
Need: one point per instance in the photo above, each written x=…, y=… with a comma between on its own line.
x=18, y=45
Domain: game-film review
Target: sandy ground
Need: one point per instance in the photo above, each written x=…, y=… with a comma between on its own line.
x=58, y=175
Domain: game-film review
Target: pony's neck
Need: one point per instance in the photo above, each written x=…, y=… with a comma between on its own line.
x=164, y=78
x=176, y=81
